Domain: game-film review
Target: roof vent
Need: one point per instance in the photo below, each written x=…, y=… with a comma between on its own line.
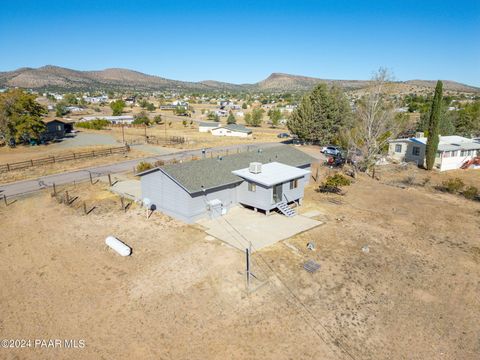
x=255, y=168
x=419, y=134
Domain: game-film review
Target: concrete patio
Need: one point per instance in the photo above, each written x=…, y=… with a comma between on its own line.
x=241, y=225
x=130, y=189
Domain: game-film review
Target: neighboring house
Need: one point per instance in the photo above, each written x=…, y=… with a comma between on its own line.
x=96, y=99
x=180, y=103
x=208, y=126
x=221, y=112
x=122, y=119
x=264, y=180
x=453, y=151
x=55, y=129
x=232, y=130
x=74, y=109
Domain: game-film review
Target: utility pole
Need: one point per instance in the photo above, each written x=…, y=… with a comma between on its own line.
x=145, y=132
x=123, y=133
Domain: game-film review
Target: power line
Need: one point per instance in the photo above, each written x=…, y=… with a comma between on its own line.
x=297, y=299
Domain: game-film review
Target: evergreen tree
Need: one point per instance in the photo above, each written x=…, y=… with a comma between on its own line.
x=433, y=127
x=231, y=119
x=20, y=115
x=117, y=107
x=321, y=115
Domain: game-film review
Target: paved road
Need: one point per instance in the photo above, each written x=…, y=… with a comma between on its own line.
x=28, y=186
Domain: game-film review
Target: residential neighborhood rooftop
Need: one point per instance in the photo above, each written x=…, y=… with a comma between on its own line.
x=209, y=124
x=272, y=173
x=448, y=143
x=209, y=173
x=237, y=127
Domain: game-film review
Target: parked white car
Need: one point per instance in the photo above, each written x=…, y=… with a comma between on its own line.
x=331, y=150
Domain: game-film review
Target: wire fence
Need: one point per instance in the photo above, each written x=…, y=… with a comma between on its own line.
x=60, y=158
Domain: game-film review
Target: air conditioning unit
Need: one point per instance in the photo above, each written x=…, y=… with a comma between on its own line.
x=255, y=168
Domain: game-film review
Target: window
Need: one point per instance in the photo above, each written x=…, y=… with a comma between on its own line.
x=446, y=154
x=293, y=184
x=252, y=187
x=398, y=148
x=463, y=153
x=416, y=151
x=454, y=153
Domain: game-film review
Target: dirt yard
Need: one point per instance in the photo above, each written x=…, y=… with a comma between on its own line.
x=195, y=139
x=413, y=295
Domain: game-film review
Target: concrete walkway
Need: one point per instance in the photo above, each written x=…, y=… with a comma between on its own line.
x=130, y=189
x=240, y=225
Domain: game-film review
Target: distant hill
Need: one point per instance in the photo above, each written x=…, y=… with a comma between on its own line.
x=62, y=79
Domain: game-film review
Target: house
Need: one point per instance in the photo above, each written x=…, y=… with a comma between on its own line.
x=232, y=130
x=96, y=99
x=55, y=129
x=208, y=126
x=74, y=109
x=264, y=180
x=221, y=112
x=180, y=103
x=453, y=151
x=122, y=119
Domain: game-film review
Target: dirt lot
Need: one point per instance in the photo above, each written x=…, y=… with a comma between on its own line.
x=195, y=139
x=413, y=295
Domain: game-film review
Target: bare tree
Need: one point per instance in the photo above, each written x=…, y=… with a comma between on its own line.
x=375, y=121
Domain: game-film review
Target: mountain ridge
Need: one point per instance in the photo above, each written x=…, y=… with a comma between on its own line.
x=56, y=77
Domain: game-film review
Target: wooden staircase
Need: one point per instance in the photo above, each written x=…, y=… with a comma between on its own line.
x=285, y=209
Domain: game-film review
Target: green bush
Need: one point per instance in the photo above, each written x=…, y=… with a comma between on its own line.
x=332, y=184
x=337, y=180
x=99, y=124
x=143, y=166
x=471, y=193
x=453, y=185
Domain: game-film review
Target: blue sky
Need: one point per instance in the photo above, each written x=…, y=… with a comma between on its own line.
x=245, y=41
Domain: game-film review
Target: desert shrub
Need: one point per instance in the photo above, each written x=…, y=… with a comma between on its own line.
x=333, y=183
x=409, y=180
x=99, y=124
x=453, y=185
x=159, y=163
x=426, y=181
x=471, y=193
x=337, y=180
x=143, y=166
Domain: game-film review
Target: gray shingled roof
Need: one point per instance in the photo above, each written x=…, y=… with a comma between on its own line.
x=209, y=124
x=211, y=173
x=238, y=128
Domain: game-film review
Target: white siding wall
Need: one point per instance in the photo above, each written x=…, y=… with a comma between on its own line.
x=406, y=153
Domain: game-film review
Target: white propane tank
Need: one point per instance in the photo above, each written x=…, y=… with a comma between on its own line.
x=118, y=246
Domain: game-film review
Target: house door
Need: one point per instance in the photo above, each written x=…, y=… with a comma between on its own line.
x=277, y=193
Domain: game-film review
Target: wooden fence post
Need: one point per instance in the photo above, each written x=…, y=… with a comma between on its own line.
x=109, y=180
x=67, y=197
x=84, y=208
x=54, y=190
x=5, y=200
x=91, y=180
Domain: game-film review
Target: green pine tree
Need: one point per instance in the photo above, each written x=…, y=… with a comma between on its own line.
x=433, y=126
x=231, y=119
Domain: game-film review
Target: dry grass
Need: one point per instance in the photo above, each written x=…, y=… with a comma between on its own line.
x=49, y=169
x=181, y=296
